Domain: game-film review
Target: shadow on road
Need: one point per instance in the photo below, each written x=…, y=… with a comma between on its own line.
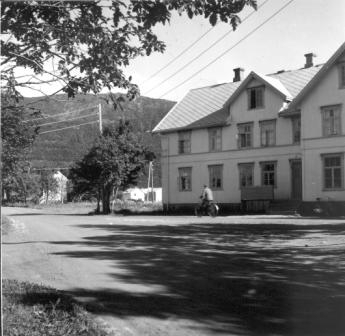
x=246, y=279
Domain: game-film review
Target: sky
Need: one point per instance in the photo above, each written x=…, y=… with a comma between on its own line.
x=303, y=26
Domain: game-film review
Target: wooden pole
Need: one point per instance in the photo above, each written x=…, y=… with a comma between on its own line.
x=100, y=118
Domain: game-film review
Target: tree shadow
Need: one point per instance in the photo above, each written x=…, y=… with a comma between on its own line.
x=245, y=279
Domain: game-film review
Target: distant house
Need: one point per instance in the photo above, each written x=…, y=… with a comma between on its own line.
x=60, y=194
x=143, y=194
x=284, y=130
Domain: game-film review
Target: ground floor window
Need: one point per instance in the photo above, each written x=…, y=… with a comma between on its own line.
x=333, y=171
x=269, y=173
x=215, y=176
x=185, y=179
x=246, y=172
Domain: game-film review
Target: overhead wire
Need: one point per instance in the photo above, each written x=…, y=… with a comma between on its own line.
x=60, y=114
x=74, y=126
x=178, y=56
x=72, y=119
x=203, y=52
x=229, y=49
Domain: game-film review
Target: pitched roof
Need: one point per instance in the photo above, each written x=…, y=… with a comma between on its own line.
x=310, y=84
x=205, y=107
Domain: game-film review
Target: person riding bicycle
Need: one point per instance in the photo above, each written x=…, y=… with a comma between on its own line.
x=206, y=197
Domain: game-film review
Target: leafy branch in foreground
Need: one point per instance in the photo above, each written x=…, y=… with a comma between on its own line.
x=84, y=45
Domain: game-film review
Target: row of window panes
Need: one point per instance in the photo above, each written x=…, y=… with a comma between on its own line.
x=246, y=171
x=333, y=171
x=245, y=136
x=331, y=125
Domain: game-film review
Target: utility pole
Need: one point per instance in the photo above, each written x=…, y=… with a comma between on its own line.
x=150, y=182
x=100, y=117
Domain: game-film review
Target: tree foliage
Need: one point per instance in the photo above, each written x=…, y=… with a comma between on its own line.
x=17, y=136
x=115, y=161
x=89, y=42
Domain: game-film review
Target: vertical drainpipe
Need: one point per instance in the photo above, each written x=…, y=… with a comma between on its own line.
x=168, y=163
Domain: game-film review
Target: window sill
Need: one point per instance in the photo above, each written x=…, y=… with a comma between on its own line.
x=256, y=108
x=249, y=147
x=265, y=146
x=335, y=189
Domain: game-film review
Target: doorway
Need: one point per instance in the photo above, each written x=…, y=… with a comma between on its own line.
x=296, y=179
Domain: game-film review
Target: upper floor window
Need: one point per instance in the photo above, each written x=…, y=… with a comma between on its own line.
x=216, y=176
x=185, y=179
x=268, y=133
x=333, y=171
x=330, y=120
x=215, y=139
x=245, y=135
x=296, y=130
x=246, y=171
x=268, y=173
x=256, y=97
x=184, y=142
x=341, y=70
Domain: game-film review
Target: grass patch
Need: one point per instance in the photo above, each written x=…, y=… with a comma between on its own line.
x=34, y=310
x=137, y=208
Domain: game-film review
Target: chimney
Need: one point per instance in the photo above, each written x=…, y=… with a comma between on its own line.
x=309, y=60
x=238, y=73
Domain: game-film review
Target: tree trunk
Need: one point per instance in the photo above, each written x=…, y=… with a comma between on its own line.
x=98, y=209
x=106, y=200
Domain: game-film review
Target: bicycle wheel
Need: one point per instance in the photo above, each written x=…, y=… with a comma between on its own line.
x=198, y=211
x=212, y=210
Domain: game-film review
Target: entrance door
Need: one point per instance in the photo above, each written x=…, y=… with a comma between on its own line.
x=296, y=179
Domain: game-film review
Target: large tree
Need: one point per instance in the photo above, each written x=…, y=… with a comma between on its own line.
x=17, y=136
x=114, y=162
x=84, y=45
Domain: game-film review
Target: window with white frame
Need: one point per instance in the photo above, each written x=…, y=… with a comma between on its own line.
x=215, y=139
x=268, y=173
x=245, y=135
x=296, y=130
x=255, y=97
x=331, y=120
x=246, y=172
x=341, y=71
x=215, y=176
x=268, y=133
x=185, y=179
x=184, y=142
x=333, y=171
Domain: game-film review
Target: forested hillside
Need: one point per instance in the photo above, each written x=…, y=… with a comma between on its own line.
x=61, y=148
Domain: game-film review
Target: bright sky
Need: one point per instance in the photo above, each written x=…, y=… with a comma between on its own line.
x=303, y=26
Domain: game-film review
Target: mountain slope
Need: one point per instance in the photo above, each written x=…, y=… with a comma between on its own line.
x=59, y=149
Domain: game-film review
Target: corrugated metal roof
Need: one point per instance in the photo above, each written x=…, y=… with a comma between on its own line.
x=203, y=107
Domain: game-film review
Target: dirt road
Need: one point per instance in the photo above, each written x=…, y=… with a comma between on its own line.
x=182, y=276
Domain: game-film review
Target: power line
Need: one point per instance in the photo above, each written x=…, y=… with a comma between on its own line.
x=203, y=52
x=60, y=121
x=74, y=126
x=229, y=49
x=60, y=114
x=176, y=57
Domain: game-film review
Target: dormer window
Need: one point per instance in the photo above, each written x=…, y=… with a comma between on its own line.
x=256, y=97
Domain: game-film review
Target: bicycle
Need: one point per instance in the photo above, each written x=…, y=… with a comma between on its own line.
x=211, y=210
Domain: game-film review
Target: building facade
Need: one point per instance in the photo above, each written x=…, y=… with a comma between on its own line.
x=285, y=130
